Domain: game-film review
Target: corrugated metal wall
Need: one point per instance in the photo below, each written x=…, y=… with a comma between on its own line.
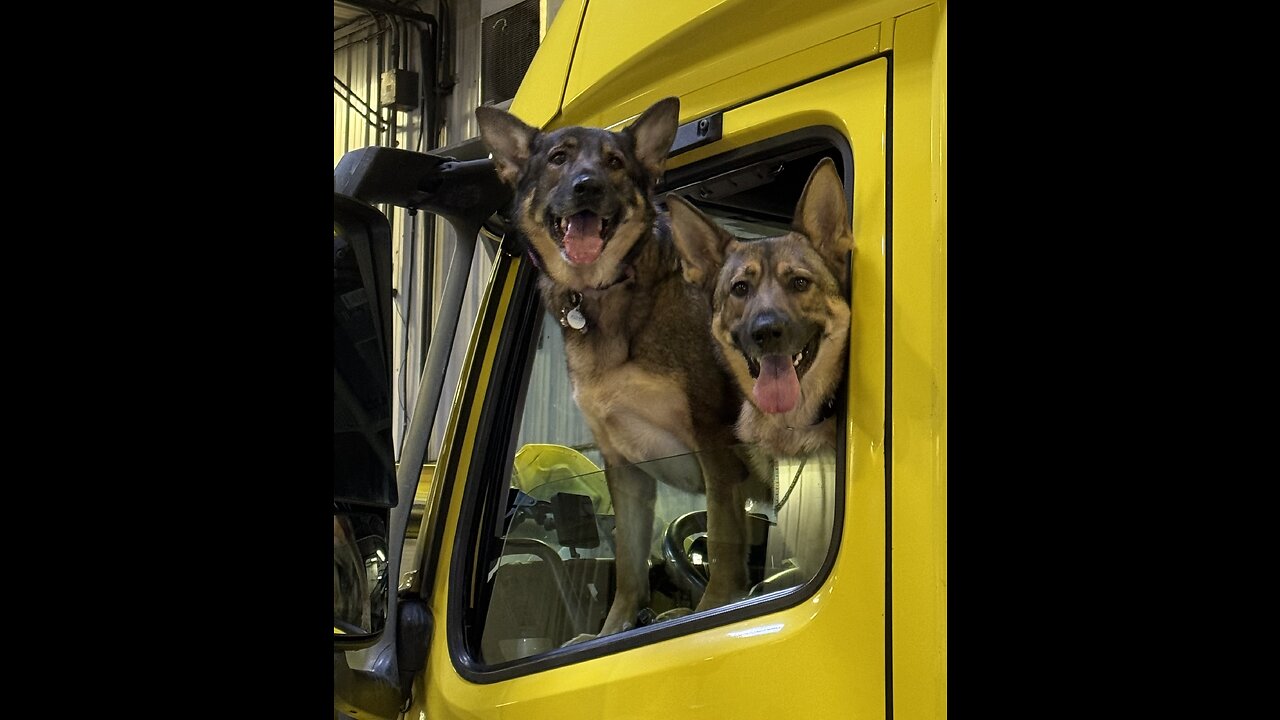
x=460, y=125
x=362, y=50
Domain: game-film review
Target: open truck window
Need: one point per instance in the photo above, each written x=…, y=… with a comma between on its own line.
x=536, y=535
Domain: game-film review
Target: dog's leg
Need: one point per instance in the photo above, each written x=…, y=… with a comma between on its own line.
x=633, y=493
x=727, y=539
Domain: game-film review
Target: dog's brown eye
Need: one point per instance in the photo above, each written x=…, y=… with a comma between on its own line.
x=615, y=162
x=739, y=289
x=558, y=157
x=800, y=284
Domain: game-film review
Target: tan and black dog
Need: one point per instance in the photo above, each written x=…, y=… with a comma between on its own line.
x=780, y=316
x=637, y=340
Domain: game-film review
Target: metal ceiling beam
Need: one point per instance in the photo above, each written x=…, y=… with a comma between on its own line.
x=388, y=8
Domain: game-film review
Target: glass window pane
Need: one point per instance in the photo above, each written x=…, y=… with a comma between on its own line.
x=552, y=570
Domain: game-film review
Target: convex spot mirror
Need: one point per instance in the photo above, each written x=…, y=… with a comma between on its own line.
x=360, y=583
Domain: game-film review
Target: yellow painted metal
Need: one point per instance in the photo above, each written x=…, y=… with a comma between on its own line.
x=919, y=445
x=423, y=490
x=538, y=100
x=826, y=656
x=713, y=54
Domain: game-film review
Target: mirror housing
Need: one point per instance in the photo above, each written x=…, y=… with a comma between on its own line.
x=364, y=470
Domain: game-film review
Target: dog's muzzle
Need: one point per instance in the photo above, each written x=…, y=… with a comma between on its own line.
x=778, y=353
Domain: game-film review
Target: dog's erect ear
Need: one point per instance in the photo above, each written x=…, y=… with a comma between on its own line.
x=507, y=138
x=653, y=132
x=700, y=241
x=823, y=217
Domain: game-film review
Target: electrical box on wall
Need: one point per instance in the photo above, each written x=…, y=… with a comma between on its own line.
x=400, y=89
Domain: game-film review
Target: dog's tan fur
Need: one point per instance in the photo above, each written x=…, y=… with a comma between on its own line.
x=643, y=373
x=816, y=249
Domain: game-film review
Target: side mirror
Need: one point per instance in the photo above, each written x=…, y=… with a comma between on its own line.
x=466, y=193
x=364, y=470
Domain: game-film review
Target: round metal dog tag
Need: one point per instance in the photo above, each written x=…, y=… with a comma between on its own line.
x=576, y=319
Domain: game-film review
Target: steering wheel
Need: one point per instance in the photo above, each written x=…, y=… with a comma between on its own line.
x=693, y=577
x=680, y=568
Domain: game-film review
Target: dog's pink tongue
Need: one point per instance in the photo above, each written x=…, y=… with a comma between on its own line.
x=777, y=389
x=582, y=241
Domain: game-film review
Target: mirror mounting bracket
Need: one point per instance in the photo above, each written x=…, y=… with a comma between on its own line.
x=384, y=690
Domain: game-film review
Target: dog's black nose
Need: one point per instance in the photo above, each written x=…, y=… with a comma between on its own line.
x=767, y=329
x=586, y=186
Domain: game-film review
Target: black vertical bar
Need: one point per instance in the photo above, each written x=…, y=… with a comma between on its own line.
x=346, y=115
x=888, y=396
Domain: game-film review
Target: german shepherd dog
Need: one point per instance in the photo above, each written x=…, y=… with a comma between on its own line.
x=779, y=314
x=636, y=335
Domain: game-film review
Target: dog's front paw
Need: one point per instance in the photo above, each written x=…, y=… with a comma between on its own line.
x=579, y=639
x=672, y=614
x=714, y=597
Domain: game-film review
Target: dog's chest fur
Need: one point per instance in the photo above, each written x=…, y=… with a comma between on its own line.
x=783, y=439
x=652, y=319
x=646, y=350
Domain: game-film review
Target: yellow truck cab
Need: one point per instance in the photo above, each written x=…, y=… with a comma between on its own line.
x=509, y=561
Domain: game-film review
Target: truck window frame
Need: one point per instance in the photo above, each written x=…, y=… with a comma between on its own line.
x=485, y=487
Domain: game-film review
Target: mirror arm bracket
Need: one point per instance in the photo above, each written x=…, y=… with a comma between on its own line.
x=365, y=693
x=465, y=192
x=384, y=690
x=413, y=640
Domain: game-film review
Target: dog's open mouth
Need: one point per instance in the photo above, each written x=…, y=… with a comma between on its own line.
x=582, y=235
x=777, y=376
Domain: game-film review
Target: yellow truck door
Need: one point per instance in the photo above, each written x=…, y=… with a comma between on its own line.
x=505, y=593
